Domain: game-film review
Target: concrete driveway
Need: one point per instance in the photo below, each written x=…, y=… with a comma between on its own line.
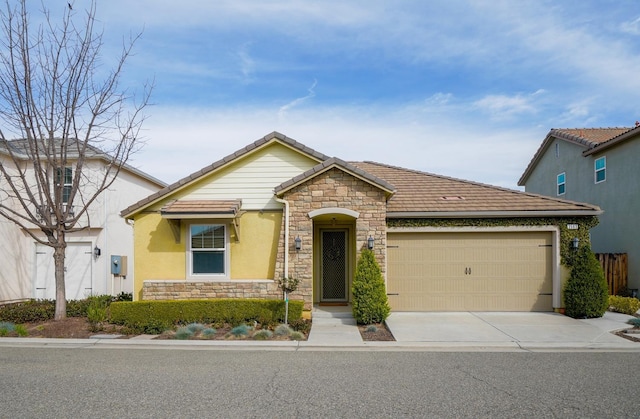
x=549, y=330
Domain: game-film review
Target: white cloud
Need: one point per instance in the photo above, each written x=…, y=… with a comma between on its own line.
x=296, y=102
x=632, y=27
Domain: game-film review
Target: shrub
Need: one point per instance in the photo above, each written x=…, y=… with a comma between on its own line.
x=237, y=311
x=195, y=327
x=183, y=333
x=209, y=333
x=21, y=330
x=296, y=336
x=372, y=328
x=301, y=325
x=626, y=305
x=586, y=293
x=370, y=303
x=283, y=330
x=635, y=322
x=239, y=331
x=263, y=334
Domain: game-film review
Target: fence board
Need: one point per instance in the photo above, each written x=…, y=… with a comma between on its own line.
x=615, y=267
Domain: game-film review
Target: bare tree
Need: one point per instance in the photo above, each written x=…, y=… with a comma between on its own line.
x=59, y=110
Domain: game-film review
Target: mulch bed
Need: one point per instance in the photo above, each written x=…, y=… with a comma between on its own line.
x=382, y=333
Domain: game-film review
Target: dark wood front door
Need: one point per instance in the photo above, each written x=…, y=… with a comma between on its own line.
x=333, y=265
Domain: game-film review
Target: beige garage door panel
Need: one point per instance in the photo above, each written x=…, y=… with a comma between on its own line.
x=470, y=271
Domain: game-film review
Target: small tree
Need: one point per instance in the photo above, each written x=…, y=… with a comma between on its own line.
x=586, y=293
x=60, y=108
x=370, y=303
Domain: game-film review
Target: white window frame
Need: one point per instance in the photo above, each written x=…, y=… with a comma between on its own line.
x=563, y=184
x=603, y=169
x=61, y=174
x=226, y=258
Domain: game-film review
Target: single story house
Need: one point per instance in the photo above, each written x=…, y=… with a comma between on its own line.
x=277, y=208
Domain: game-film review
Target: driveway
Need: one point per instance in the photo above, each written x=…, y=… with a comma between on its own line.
x=517, y=329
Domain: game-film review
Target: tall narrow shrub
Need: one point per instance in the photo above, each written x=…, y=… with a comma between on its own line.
x=370, y=303
x=586, y=293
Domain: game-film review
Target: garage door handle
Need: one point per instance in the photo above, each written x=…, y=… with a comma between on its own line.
x=467, y=271
x=392, y=293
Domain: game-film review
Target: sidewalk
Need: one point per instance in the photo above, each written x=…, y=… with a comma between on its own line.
x=335, y=329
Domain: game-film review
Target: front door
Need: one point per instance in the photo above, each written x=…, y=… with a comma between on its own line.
x=333, y=265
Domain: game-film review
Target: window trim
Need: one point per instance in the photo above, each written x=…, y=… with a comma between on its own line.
x=562, y=184
x=66, y=186
x=603, y=169
x=190, y=275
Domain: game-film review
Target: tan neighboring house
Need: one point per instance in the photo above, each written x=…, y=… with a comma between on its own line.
x=27, y=267
x=277, y=208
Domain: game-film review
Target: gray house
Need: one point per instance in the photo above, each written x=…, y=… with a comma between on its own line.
x=599, y=166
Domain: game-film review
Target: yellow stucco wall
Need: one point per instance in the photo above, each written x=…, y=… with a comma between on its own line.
x=157, y=255
x=254, y=256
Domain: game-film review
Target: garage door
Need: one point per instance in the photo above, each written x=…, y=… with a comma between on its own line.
x=487, y=271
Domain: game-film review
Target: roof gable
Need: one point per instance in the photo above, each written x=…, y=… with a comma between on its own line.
x=592, y=139
x=329, y=164
x=174, y=189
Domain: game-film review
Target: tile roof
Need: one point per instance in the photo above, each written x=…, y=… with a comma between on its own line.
x=202, y=207
x=425, y=194
x=593, y=139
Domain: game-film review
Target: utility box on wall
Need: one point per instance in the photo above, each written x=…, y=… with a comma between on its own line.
x=118, y=265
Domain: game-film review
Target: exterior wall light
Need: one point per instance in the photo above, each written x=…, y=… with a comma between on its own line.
x=575, y=242
x=370, y=243
x=298, y=243
x=97, y=252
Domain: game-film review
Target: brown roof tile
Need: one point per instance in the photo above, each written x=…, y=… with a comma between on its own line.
x=429, y=194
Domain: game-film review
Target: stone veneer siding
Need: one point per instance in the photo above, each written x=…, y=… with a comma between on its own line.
x=332, y=189
x=185, y=290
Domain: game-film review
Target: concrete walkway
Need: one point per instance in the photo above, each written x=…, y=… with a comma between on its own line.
x=333, y=326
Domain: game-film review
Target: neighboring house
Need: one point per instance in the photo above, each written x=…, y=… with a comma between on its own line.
x=27, y=267
x=278, y=208
x=600, y=166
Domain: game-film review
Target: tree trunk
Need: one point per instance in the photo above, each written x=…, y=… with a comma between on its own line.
x=58, y=257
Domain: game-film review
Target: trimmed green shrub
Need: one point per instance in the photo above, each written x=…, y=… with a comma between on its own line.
x=301, y=325
x=370, y=303
x=235, y=311
x=586, y=294
x=626, y=305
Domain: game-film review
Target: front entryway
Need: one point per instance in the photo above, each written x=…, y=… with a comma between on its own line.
x=333, y=265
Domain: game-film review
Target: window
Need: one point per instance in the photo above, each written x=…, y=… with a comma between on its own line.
x=208, y=248
x=562, y=184
x=66, y=180
x=601, y=169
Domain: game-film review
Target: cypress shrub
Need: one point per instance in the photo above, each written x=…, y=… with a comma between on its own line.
x=370, y=303
x=586, y=294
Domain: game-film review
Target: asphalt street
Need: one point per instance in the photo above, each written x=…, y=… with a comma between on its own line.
x=140, y=383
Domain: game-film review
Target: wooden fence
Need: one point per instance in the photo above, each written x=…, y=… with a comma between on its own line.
x=615, y=270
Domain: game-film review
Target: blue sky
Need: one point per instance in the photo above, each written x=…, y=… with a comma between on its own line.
x=467, y=89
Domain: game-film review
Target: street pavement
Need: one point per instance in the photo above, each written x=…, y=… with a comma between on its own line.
x=334, y=328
